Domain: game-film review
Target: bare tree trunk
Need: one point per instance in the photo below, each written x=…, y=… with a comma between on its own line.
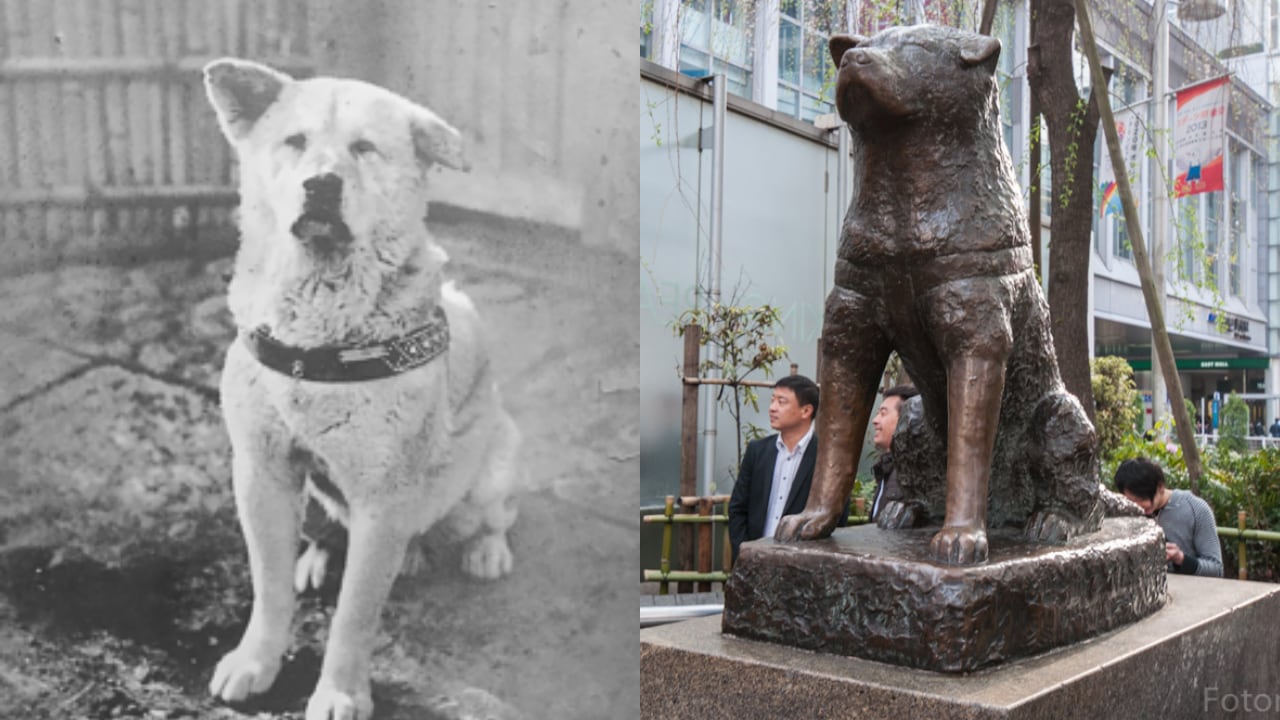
x=1072, y=126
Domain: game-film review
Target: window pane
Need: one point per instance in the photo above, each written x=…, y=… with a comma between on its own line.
x=1239, y=220
x=817, y=65
x=693, y=62
x=731, y=31
x=824, y=16
x=1120, y=231
x=646, y=30
x=788, y=101
x=1189, y=239
x=730, y=11
x=1235, y=247
x=811, y=108
x=1211, y=238
x=739, y=79
x=695, y=25
x=789, y=52
x=1046, y=173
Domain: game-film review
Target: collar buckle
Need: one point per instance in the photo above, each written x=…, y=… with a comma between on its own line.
x=418, y=348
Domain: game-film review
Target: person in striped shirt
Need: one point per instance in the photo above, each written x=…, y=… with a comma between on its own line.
x=1190, y=532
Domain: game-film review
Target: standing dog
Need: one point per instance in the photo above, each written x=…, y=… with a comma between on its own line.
x=935, y=263
x=359, y=375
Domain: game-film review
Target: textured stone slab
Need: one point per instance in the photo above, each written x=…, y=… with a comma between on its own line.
x=876, y=594
x=1208, y=652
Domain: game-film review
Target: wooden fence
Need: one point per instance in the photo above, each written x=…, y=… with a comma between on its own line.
x=543, y=90
x=106, y=140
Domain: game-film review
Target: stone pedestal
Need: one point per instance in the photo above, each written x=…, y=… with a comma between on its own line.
x=1209, y=652
x=876, y=594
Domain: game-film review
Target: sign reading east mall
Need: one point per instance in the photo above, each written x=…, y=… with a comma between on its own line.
x=1209, y=364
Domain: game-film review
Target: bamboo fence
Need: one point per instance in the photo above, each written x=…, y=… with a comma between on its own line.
x=106, y=140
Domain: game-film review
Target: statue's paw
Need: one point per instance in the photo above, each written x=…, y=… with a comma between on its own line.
x=958, y=545
x=1048, y=526
x=808, y=525
x=897, y=515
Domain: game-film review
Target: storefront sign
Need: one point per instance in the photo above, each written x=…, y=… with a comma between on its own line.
x=1236, y=327
x=1210, y=364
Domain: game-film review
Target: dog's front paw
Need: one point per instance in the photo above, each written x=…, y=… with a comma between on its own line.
x=328, y=703
x=959, y=545
x=808, y=525
x=896, y=515
x=489, y=558
x=242, y=673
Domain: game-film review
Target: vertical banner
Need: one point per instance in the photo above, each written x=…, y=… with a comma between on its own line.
x=1199, y=128
x=1129, y=128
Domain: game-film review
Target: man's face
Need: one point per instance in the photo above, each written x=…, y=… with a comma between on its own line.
x=1148, y=505
x=885, y=422
x=785, y=412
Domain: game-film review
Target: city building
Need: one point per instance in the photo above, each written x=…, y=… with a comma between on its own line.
x=783, y=195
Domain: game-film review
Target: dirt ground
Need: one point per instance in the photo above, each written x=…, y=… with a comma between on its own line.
x=122, y=571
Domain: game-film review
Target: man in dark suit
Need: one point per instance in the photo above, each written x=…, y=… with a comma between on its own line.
x=887, y=488
x=776, y=471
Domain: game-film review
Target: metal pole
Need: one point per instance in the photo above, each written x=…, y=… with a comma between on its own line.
x=720, y=100
x=1160, y=198
x=1243, y=566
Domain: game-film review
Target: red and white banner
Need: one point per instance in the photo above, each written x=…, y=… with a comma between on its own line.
x=1129, y=128
x=1199, y=131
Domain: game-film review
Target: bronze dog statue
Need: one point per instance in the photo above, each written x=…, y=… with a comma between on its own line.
x=935, y=263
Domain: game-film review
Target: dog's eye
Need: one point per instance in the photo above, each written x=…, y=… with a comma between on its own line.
x=361, y=147
x=297, y=141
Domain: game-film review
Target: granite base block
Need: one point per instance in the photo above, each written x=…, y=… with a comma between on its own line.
x=1210, y=652
x=877, y=594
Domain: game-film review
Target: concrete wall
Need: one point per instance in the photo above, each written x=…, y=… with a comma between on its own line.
x=781, y=220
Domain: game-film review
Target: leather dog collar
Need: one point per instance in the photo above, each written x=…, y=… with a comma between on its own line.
x=352, y=363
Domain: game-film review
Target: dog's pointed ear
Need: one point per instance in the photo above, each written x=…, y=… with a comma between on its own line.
x=839, y=44
x=240, y=92
x=978, y=49
x=436, y=141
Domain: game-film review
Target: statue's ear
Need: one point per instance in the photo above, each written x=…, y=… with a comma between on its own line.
x=240, y=92
x=436, y=141
x=979, y=49
x=840, y=43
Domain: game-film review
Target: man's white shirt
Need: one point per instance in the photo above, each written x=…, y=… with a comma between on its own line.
x=784, y=474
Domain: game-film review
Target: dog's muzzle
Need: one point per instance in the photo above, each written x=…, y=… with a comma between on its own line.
x=321, y=219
